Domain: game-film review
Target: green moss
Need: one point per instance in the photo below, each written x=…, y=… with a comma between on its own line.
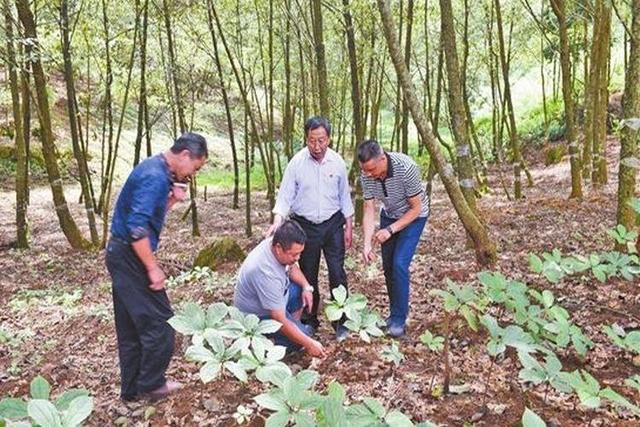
x=219, y=251
x=554, y=153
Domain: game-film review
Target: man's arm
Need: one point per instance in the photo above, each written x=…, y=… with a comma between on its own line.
x=291, y=331
x=142, y=248
x=368, y=227
x=297, y=276
x=415, y=207
x=286, y=194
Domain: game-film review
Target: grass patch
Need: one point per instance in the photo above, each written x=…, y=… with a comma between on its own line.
x=222, y=178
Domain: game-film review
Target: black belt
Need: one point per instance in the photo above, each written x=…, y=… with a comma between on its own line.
x=304, y=220
x=119, y=240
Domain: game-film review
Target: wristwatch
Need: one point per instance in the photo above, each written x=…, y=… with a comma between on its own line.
x=308, y=288
x=390, y=230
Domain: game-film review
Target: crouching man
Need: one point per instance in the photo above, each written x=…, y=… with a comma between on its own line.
x=271, y=285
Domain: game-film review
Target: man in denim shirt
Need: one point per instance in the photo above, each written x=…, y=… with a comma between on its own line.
x=141, y=305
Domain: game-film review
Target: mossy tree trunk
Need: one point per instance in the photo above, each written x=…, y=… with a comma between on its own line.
x=22, y=196
x=630, y=134
x=559, y=10
x=67, y=223
x=484, y=246
x=321, y=64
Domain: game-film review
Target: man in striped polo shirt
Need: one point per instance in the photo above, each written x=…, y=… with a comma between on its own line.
x=393, y=179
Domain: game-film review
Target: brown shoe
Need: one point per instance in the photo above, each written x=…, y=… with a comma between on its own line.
x=163, y=391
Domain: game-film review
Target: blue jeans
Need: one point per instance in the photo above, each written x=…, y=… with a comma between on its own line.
x=294, y=303
x=397, y=253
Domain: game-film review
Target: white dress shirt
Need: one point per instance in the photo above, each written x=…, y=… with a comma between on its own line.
x=314, y=190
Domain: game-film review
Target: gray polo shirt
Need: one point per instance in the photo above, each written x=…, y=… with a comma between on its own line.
x=262, y=283
x=403, y=181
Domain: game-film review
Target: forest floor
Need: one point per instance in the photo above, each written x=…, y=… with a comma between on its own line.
x=57, y=318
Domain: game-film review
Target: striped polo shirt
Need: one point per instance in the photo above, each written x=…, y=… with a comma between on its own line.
x=403, y=181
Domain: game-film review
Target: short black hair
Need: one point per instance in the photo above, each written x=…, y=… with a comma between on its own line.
x=369, y=149
x=194, y=143
x=288, y=233
x=316, y=122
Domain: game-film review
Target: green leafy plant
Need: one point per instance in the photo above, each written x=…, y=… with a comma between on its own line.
x=434, y=343
x=591, y=393
x=365, y=324
x=393, y=354
x=510, y=336
x=70, y=409
x=242, y=414
x=341, y=304
x=224, y=339
x=373, y=413
x=624, y=237
x=462, y=300
x=548, y=372
x=628, y=341
x=292, y=399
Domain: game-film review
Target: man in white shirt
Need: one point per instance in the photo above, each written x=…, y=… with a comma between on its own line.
x=315, y=192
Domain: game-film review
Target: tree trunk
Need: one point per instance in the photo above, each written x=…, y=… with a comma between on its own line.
x=227, y=109
x=78, y=152
x=68, y=225
x=404, y=126
x=484, y=247
x=518, y=162
x=456, y=107
x=559, y=10
x=323, y=86
x=601, y=96
x=630, y=135
x=22, y=196
x=107, y=123
x=143, y=109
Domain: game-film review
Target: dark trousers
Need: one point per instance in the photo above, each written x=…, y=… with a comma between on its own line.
x=327, y=238
x=294, y=303
x=145, y=339
x=397, y=253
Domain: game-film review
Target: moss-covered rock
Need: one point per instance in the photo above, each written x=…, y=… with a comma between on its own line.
x=219, y=251
x=7, y=152
x=553, y=153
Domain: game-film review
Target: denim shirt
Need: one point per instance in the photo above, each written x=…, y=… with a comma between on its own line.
x=142, y=204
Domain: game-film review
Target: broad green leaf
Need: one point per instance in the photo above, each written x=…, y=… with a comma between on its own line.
x=307, y=378
x=547, y=298
x=268, y=326
x=609, y=394
x=535, y=263
x=279, y=419
x=333, y=312
x=236, y=369
x=304, y=419
x=470, y=317
x=374, y=406
x=209, y=371
x=79, y=409
x=398, y=419
x=62, y=402
x=531, y=419
x=199, y=354
x=12, y=407
x=340, y=294
x=43, y=413
x=39, y=388
x=215, y=314
x=268, y=401
x=273, y=375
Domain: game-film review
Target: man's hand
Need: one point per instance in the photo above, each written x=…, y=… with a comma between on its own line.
x=348, y=235
x=382, y=236
x=177, y=194
x=277, y=220
x=157, y=279
x=307, y=301
x=368, y=254
x=314, y=348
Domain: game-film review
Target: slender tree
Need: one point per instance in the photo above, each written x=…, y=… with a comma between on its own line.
x=630, y=134
x=78, y=152
x=22, y=196
x=67, y=223
x=456, y=106
x=318, y=38
x=484, y=246
x=559, y=10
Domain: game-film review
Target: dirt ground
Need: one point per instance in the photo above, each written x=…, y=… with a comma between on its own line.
x=57, y=312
